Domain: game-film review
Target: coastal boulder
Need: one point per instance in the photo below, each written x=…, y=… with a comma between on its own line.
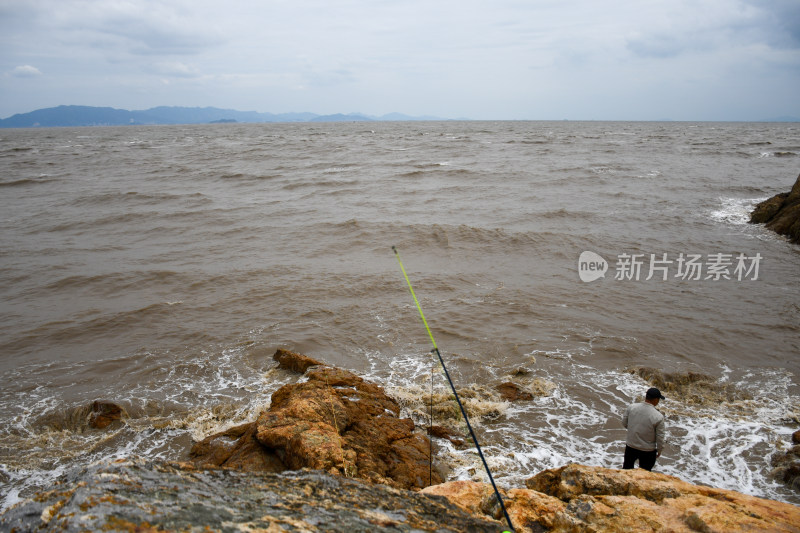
x=577, y=498
x=103, y=413
x=781, y=213
x=154, y=496
x=334, y=421
x=511, y=392
x=529, y=511
x=294, y=361
x=786, y=466
x=605, y=499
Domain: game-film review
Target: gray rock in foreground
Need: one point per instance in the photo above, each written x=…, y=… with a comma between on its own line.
x=139, y=495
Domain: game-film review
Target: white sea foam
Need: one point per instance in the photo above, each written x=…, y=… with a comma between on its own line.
x=726, y=446
x=735, y=211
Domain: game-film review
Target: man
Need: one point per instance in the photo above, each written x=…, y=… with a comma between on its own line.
x=645, y=426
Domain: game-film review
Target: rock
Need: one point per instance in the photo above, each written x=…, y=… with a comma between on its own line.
x=781, y=213
x=786, y=466
x=583, y=498
x=764, y=211
x=529, y=510
x=338, y=422
x=693, y=388
x=511, y=392
x=238, y=448
x=294, y=361
x=796, y=437
x=103, y=413
x=139, y=495
x=444, y=433
x=335, y=421
x=605, y=499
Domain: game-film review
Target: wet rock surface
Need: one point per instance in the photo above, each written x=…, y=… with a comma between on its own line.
x=336, y=422
x=786, y=466
x=511, y=392
x=296, y=362
x=578, y=498
x=104, y=413
x=781, y=213
x=155, y=496
x=637, y=500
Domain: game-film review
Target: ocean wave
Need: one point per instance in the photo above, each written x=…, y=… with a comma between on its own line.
x=92, y=327
x=144, y=199
x=115, y=282
x=44, y=178
x=359, y=232
x=735, y=211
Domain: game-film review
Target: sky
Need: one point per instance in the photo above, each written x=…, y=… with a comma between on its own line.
x=490, y=60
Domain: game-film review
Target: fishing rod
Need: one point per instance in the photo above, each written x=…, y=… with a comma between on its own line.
x=453, y=388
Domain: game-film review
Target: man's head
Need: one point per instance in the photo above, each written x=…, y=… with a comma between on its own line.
x=653, y=395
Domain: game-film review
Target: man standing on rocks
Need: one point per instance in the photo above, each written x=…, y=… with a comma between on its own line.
x=645, y=426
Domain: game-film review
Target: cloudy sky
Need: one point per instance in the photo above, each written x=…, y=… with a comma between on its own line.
x=498, y=59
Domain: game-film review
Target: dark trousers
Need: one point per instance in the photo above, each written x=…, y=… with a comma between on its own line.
x=646, y=459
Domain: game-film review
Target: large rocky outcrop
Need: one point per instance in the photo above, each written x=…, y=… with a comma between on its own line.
x=335, y=421
x=155, y=496
x=781, y=213
x=152, y=496
x=577, y=498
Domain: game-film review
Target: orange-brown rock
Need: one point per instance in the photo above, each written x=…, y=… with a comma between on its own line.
x=606, y=499
x=444, y=433
x=293, y=361
x=338, y=422
x=104, y=413
x=238, y=448
x=528, y=510
x=335, y=421
x=781, y=213
x=578, y=498
x=511, y=392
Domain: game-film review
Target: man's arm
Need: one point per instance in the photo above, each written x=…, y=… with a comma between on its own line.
x=625, y=416
x=659, y=427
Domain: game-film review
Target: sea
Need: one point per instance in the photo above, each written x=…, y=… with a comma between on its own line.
x=160, y=268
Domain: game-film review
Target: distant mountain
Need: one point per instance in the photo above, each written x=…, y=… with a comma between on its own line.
x=72, y=115
x=402, y=117
x=352, y=117
x=782, y=119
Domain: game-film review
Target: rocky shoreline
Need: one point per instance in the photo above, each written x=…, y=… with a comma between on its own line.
x=332, y=453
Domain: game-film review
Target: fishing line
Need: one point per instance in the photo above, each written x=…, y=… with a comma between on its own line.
x=453, y=388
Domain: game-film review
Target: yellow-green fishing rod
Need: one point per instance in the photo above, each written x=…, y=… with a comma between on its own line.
x=453, y=388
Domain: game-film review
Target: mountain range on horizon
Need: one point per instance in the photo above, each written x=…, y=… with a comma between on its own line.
x=74, y=115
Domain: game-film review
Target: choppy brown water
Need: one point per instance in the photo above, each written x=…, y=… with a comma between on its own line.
x=160, y=267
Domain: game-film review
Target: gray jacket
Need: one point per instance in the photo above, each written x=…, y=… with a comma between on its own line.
x=645, y=427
